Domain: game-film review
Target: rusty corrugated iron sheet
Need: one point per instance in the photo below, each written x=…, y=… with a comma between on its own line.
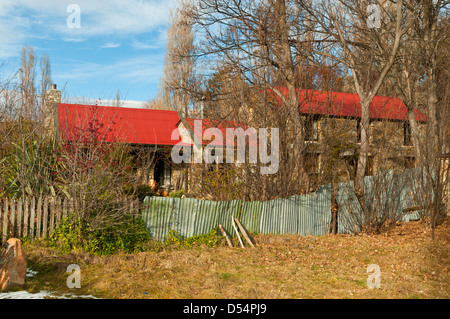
x=300, y=214
x=385, y=195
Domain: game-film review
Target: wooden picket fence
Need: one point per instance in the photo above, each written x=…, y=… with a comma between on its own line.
x=37, y=218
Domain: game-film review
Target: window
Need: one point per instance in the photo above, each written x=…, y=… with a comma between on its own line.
x=311, y=128
x=351, y=162
x=406, y=134
x=409, y=162
x=311, y=162
x=162, y=172
x=352, y=165
x=311, y=165
x=167, y=174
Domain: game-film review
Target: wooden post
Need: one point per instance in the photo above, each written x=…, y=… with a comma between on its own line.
x=225, y=235
x=58, y=211
x=13, y=217
x=52, y=215
x=26, y=203
x=39, y=217
x=32, y=216
x=234, y=226
x=45, y=217
x=334, y=213
x=1, y=218
x=19, y=216
x=5, y=221
x=243, y=232
x=1, y=209
x=65, y=205
x=71, y=206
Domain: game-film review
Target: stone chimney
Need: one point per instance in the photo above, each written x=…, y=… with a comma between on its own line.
x=52, y=99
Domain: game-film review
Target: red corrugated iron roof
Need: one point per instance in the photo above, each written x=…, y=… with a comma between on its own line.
x=155, y=127
x=212, y=124
x=347, y=105
x=130, y=125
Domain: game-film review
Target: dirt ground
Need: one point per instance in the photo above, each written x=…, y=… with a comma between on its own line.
x=411, y=265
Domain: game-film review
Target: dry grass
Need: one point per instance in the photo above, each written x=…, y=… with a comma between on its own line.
x=411, y=264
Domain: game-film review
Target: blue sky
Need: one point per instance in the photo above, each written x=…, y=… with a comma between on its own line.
x=119, y=45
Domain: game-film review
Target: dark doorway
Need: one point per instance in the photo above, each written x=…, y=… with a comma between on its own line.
x=162, y=172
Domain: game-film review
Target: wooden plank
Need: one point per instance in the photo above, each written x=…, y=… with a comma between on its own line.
x=243, y=232
x=419, y=207
x=58, y=211
x=52, y=215
x=32, y=216
x=26, y=203
x=5, y=221
x=225, y=235
x=39, y=217
x=71, y=206
x=45, y=217
x=1, y=217
x=19, y=216
x=13, y=217
x=65, y=207
x=234, y=226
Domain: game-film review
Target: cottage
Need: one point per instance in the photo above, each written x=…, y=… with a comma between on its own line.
x=334, y=117
x=325, y=113
x=147, y=131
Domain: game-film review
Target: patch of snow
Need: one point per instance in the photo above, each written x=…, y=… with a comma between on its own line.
x=23, y=294
x=31, y=272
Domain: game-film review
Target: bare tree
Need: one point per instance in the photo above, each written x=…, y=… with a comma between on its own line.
x=179, y=64
x=421, y=76
x=358, y=46
x=21, y=125
x=27, y=82
x=254, y=52
x=45, y=81
x=157, y=104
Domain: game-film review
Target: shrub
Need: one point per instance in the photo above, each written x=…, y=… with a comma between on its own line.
x=140, y=191
x=178, y=193
x=128, y=237
x=211, y=239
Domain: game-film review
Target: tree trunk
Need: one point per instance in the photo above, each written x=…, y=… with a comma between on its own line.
x=364, y=150
x=287, y=68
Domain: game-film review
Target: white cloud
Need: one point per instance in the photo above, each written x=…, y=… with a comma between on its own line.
x=13, y=32
x=110, y=45
x=145, y=68
x=21, y=20
x=103, y=102
x=102, y=18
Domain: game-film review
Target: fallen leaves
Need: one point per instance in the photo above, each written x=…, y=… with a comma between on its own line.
x=411, y=265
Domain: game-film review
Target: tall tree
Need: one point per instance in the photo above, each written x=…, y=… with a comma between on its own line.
x=262, y=46
x=178, y=62
x=46, y=78
x=27, y=81
x=356, y=43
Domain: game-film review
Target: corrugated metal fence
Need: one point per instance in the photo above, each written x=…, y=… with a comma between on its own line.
x=384, y=193
x=299, y=214
x=187, y=216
